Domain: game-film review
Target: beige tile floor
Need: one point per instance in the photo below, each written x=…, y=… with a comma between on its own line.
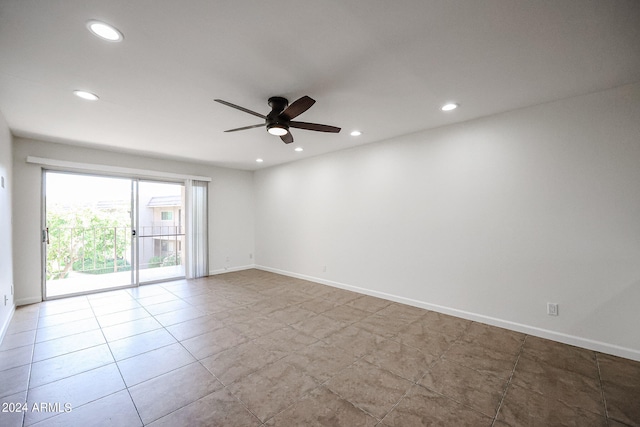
x=253, y=348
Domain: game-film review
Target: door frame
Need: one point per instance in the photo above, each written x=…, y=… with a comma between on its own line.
x=139, y=234
x=134, y=238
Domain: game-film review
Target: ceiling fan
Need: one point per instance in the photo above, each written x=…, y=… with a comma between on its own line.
x=279, y=120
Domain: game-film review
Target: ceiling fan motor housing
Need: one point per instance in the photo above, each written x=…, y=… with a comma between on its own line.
x=275, y=117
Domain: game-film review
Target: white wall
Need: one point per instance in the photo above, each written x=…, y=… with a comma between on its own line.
x=488, y=219
x=6, y=259
x=230, y=207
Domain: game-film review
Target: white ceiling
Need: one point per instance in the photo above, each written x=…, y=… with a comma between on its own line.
x=384, y=67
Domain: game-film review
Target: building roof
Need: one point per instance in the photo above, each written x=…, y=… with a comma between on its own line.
x=165, y=201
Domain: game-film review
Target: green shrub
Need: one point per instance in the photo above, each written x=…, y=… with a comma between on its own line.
x=173, y=259
x=100, y=267
x=154, y=261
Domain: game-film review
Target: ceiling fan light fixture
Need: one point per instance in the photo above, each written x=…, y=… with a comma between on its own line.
x=105, y=31
x=298, y=149
x=277, y=129
x=356, y=133
x=259, y=160
x=449, y=107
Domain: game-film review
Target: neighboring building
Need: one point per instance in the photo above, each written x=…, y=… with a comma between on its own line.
x=167, y=225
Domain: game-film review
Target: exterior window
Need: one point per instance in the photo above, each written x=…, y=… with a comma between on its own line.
x=167, y=216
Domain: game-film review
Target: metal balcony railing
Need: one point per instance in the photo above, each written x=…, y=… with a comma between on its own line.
x=100, y=250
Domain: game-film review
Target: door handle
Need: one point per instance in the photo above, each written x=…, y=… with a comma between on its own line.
x=133, y=232
x=45, y=235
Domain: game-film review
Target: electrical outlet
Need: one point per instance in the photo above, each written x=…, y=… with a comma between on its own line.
x=250, y=256
x=552, y=309
x=5, y=300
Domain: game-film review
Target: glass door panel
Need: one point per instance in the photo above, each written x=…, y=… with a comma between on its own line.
x=87, y=233
x=160, y=231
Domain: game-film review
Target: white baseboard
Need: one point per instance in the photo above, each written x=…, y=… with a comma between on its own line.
x=231, y=269
x=5, y=327
x=589, y=344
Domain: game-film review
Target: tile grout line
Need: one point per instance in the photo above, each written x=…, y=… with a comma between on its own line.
x=344, y=398
x=414, y=383
x=224, y=387
x=319, y=385
x=33, y=350
x=604, y=397
x=323, y=383
x=166, y=330
x=177, y=342
x=443, y=355
x=116, y=363
x=442, y=358
x=359, y=358
x=506, y=389
x=107, y=342
x=31, y=365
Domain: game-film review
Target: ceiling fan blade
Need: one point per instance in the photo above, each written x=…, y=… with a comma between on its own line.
x=298, y=107
x=314, y=126
x=245, y=128
x=237, y=107
x=287, y=138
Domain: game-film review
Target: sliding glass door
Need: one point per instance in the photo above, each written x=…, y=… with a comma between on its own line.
x=160, y=231
x=104, y=233
x=87, y=233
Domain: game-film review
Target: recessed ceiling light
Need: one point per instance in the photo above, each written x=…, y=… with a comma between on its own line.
x=356, y=133
x=449, y=107
x=105, y=31
x=299, y=149
x=259, y=160
x=86, y=95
